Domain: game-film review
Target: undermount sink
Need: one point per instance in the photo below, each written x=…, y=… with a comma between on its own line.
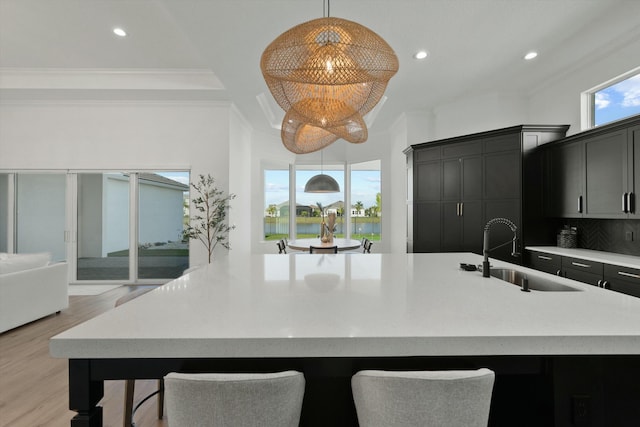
x=535, y=283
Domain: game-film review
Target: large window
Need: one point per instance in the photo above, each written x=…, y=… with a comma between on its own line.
x=616, y=100
x=357, y=205
x=366, y=200
x=276, y=200
x=311, y=207
x=92, y=220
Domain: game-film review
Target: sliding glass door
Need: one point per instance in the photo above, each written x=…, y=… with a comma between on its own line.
x=40, y=214
x=162, y=214
x=102, y=226
x=123, y=227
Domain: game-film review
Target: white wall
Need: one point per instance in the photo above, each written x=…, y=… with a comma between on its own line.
x=118, y=135
x=558, y=102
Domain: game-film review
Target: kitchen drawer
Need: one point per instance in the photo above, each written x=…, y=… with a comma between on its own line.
x=590, y=272
x=622, y=279
x=546, y=262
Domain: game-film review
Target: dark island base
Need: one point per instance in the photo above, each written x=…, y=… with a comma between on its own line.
x=594, y=391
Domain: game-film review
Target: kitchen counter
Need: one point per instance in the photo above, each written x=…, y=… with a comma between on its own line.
x=355, y=305
x=329, y=316
x=591, y=255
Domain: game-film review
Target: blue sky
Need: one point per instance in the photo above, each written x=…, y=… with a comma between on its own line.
x=618, y=101
x=364, y=185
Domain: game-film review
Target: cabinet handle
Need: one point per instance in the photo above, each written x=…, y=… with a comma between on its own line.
x=625, y=198
x=457, y=209
x=547, y=258
x=605, y=284
x=579, y=204
x=600, y=283
x=579, y=264
x=462, y=209
x=631, y=202
x=635, y=276
x=559, y=273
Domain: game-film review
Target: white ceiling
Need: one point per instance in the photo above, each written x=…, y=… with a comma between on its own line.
x=210, y=49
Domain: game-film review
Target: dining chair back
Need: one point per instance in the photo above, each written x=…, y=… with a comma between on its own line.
x=423, y=398
x=234, y=400
x=130, y=384
x=282, y=247
x=323, y=249
x=366, y=247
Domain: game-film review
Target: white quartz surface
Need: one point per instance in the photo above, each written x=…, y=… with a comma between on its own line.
x=355, y=305
x=591, y=255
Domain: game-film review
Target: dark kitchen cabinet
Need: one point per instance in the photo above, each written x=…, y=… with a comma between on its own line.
x=565, y=181
x=582, y=270
x=633, y=135
x=461, y=197
x=594, y=174
x=605, y=165
x=542, y=261
x=622, y=279
x=458, y=184
x=614, y=277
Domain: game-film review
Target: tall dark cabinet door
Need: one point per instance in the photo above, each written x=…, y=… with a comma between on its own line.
x=427, y=227
x=451, y=227
x=451, y=179
x=634, y=171
x=471, y=178
x=428, y=180
x=606, y=174
x=472, y=226
x=565, y=181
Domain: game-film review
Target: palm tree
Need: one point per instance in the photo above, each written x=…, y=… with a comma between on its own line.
x=358, y=207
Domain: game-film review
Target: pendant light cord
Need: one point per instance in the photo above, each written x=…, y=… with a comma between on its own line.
x=326, y=8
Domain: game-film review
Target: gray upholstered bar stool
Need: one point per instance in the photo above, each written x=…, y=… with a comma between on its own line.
x=423, y=398
x=234, y=400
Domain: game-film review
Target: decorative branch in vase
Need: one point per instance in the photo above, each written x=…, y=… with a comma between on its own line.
x=209, y=224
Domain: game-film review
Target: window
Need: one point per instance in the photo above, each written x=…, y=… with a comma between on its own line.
x=615, y=99
x=366, y=200
x=310, y=207
x=276, y=204
x=357, y=205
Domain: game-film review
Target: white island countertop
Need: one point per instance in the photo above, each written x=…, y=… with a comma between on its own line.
x=355, y=305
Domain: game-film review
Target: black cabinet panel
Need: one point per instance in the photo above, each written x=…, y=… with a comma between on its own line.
x=472, y=178
x=622, y=279
x=502, y=175
x=428, y=180
x=606, y=174
x=546, y=262
x=427, y=223
x=634, y=165
x=585, y=271
x=564, y=182
x=451, y=179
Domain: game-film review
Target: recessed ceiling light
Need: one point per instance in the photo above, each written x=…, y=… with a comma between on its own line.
x=422, y=54
x=530, y=55
x=119, y=32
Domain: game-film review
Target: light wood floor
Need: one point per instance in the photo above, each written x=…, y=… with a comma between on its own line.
x=34, y=386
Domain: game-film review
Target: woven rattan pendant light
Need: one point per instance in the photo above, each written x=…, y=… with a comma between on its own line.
x=326, y=74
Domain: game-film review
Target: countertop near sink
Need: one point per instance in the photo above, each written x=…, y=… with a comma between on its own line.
x=356, y=305
x=591, y=255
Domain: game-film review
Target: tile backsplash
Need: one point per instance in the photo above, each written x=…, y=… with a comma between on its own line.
x=607, y=235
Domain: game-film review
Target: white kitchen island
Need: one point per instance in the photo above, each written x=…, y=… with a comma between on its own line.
x=330, y=315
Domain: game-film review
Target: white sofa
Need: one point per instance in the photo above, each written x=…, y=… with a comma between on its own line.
x=31, y=287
